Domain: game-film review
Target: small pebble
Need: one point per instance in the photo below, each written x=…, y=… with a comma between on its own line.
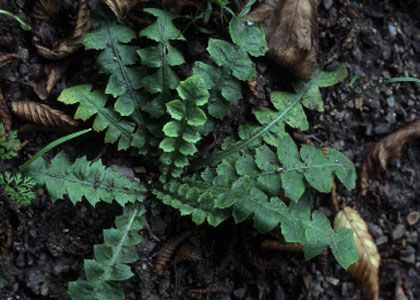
x=327, y=4
x=390, y=101
x=398, y=232
x=413, y=218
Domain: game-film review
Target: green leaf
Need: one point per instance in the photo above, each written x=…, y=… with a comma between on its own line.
x=249, y=36
x=116, y=59
x=182, y=132
x=92, y=103
x=111, y=259
x=232, y=57
x=161, y=58
x=91, y=180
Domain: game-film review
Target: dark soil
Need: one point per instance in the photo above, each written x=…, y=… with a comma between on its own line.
x=375, y=40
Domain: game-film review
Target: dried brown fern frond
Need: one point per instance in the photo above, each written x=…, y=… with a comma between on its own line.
x=8, y=58
x=71, y=44
x=292, y=32
x=187, y=253
x=45, y=9
x=6, y=117
x=386, y=149
x=366, y=269
x=167, y=251
x=42, y=114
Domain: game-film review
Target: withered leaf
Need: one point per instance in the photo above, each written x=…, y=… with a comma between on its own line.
x=5, y=116
x=42, y=114
x=44, y=86
x=6, y=40
x=71, y=44
x=8, y=58
x=366, y=269
x=121, y=8
x=386, y=149
x=45, y=9
x=292, y=31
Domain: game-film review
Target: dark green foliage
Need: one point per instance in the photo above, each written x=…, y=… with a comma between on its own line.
x=111, y=259
x=93, y=103
x=116, y=60
x=9, y=144
x=17, y=188
x=93, y=181
x=181, y=133
x=161, y=58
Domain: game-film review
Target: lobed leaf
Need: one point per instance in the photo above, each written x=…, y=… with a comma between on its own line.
x=91, y=180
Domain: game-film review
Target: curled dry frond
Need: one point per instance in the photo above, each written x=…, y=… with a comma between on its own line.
x=8, y=58
x=69, y=45
x=45, y=9
x=386, y=149
x=5, y=116
x=292, y=32
x=121, y=8
x=366, y=269
x=167, y=251
x=42, y=114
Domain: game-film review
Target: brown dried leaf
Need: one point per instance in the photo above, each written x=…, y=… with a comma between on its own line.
x=8, y=58
x=44, y=86
x=42, y=114
x=71, y=44
x=386, y=149
x=166, y=252
x=187, y=253
x=6, y=39
x=6, y=117
x=292, y=31
x=121, y=8
x=366, y=269
x=45, y=9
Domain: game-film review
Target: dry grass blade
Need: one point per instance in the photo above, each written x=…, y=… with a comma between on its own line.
x=8, y=58
x=71, y=44
x=6, y=117
x=42, y=114
x=121, y=8
x=275, y=245
x=44, y=86
x=45, y=9
x=292, y=31
x=167, y=251
x=366, y=269
x=386, y=149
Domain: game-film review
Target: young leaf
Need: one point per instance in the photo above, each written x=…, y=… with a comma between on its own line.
x=93, y=102
x=181, y=133
x=111, y=259
x=91, y=180
x=162, y=57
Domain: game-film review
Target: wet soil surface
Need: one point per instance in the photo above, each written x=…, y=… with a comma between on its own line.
x=377, y=42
